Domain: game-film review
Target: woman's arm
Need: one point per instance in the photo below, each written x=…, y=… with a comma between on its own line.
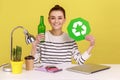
x=81, y=58
x=34, y=44
x=36, y=48
x=92, y=43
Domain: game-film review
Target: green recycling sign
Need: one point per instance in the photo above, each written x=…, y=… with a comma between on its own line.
x=78, y=28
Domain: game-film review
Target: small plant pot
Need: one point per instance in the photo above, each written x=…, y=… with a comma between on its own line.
x=16, y=67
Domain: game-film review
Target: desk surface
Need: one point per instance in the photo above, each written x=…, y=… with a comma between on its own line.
x=111, y=74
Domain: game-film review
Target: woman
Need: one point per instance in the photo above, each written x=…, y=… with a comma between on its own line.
x=58, y=46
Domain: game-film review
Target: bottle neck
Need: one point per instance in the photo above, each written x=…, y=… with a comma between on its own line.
x=42, y=20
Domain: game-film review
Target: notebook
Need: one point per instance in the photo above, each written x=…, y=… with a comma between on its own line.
x=88, y=68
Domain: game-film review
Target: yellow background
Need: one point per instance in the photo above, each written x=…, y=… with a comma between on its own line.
x=103, y=16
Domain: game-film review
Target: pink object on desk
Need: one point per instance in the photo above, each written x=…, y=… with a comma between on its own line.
x=48, y=68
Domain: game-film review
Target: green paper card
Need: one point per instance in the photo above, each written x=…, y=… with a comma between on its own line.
x=78, y=28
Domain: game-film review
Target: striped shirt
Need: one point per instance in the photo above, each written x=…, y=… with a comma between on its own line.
x=59, y=49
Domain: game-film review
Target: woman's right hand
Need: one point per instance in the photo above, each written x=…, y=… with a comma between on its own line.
x=39, y=37
x=34, y=44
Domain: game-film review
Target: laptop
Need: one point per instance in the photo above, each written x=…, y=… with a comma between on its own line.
x=88, y=68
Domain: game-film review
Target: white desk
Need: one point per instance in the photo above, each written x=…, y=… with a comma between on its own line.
x=111, y=74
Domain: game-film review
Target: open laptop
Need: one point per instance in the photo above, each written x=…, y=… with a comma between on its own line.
x=88, y=68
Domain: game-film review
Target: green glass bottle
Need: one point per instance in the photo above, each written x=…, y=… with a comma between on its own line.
x=42, y=27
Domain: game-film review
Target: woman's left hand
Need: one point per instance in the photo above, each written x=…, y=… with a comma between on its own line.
x=91, y=39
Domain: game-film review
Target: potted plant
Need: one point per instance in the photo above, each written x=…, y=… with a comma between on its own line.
x=16, y=54
x=16, y=62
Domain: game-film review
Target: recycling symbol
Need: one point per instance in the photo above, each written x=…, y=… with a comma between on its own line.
x=78, y=28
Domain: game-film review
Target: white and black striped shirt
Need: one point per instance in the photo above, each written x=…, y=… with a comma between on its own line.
x=58, y=49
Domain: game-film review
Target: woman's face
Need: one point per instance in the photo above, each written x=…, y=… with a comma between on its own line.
x=56, y=19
